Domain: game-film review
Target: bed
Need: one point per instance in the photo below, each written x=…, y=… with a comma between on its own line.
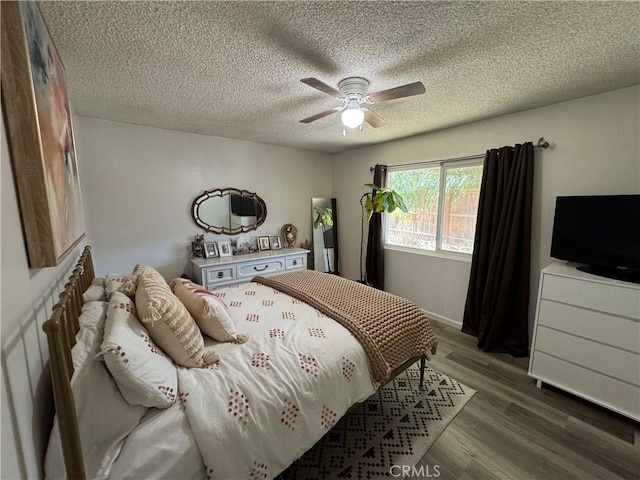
x=242, y=397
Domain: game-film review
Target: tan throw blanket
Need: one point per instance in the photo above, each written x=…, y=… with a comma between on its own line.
x=391, y=329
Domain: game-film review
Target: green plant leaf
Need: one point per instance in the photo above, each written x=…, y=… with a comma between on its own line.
x=385, y=199
x=368, y=206
x=324, y=217
x=399, y=201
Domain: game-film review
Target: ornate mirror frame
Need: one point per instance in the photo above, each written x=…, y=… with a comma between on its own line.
x=222, y=192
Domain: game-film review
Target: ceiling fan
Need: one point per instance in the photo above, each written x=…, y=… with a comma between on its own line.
x=352, y=92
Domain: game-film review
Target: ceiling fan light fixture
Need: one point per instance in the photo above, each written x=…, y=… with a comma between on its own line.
x=352, y=116
x=352, y=92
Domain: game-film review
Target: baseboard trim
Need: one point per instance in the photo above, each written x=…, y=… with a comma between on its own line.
x=441, y=319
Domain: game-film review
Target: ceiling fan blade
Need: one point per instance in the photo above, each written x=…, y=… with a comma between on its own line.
x=373, y=119
x=408, y=90
x=321, y=115
x=323, y=87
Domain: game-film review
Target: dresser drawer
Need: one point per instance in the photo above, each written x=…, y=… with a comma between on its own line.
x=594, y=356
x=218, y=275
x=619, y=332
x=265, y=267
x=294, y=263
x=618, y=300
x=604, y=390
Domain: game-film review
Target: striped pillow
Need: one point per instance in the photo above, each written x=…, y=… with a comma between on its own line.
x=169, y=323
x=209, y=311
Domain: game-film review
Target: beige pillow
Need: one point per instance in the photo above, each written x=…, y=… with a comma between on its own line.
x=129, y=286
x=209, y=311
x=169, y=324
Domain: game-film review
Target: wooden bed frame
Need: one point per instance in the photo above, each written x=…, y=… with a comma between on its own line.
x=61, y=329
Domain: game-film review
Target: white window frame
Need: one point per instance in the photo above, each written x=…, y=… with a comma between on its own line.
x=444, y=165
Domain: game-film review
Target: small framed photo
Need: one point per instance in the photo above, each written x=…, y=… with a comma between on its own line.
x=225, y=248
x=263, y=243
x=276, y=243
x=210, y=249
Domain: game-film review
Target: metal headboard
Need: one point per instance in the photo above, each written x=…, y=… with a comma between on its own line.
x=61, y=329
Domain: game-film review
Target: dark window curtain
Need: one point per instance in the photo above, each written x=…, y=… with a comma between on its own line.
x=497, y=304
x=375, y=240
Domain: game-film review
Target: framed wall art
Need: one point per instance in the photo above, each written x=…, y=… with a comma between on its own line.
x=42, y=148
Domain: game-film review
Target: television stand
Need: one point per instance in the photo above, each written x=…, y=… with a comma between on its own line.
x=632, y=276
x=586, y=338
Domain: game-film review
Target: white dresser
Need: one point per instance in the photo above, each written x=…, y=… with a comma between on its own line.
x=587, y=337
x=219, y=272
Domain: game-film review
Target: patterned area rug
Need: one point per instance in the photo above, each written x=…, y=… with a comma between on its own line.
x=395, y=426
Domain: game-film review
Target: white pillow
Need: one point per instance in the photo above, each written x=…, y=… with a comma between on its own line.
x=144, y=373
x=113, y=282
x=104, y=417
x=91, y=322
x=95, y=292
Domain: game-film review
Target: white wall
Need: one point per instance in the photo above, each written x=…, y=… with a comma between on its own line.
x=26, y=298
x=139, y=182
x=595, y=150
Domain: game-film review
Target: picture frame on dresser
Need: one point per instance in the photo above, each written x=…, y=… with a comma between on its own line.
x=211, y=250
x=224, y=248
x=263, y=243
x=275, y=243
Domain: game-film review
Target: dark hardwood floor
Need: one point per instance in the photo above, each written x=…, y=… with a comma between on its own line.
x=512, y=430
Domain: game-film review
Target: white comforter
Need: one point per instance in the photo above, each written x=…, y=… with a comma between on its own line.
x=269, y=400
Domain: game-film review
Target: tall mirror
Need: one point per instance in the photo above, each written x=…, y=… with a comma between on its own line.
x=324, y=218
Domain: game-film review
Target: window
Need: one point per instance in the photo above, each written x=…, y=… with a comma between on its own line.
x=443, y=205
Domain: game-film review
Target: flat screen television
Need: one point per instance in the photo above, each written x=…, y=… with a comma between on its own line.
x=602, y=232
x=244, y=206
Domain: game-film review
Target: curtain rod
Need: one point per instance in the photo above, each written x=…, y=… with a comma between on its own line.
x=542, y=143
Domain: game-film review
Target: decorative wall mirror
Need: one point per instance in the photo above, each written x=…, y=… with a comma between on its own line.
x=324, y=218
x=229, y=211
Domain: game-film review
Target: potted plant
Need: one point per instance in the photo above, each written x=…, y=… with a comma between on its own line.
x=381, y=199
x=378, y=200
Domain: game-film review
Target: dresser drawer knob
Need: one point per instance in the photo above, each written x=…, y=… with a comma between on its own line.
x=295, y=262
x=261, y=269
x=220, y=274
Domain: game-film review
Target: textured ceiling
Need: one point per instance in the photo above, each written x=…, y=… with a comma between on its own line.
x=232, y=69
